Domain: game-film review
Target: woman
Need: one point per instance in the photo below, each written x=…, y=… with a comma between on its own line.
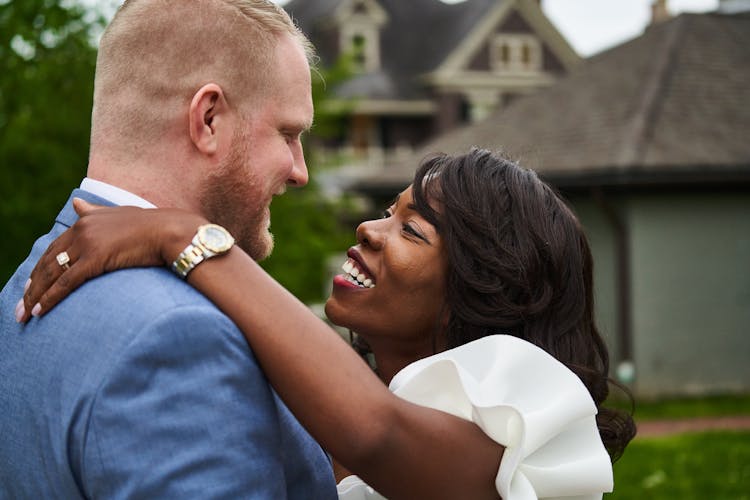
x=475, y=280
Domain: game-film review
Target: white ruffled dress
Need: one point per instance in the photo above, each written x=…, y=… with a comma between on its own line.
x=522, y=398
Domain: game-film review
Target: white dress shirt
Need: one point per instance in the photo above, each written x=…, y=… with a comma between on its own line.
x=114, y=194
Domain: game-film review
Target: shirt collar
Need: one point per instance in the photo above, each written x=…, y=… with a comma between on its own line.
x=114, y=194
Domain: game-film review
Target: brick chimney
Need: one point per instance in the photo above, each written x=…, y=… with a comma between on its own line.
x=659, y=12
x=734, y=6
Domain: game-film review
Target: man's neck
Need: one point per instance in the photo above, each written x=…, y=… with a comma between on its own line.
x=146, y=182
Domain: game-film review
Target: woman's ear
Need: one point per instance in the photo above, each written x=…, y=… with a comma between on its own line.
x=208, y=118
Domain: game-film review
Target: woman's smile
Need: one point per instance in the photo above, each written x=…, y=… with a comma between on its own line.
x=356, y=272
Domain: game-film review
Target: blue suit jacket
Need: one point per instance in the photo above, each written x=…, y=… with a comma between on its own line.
x=136, y=386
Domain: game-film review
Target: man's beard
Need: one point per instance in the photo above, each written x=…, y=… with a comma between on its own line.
x=230, y=198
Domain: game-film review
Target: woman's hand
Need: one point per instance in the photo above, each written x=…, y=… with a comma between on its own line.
x=105, y=239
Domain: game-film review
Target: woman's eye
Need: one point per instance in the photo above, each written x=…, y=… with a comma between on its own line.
x=409, y=229
x=385, y=214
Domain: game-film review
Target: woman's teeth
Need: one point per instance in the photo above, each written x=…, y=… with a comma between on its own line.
x=354, y=275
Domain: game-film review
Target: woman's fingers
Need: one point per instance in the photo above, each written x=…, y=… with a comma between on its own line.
x=58, y=272
x=83, y=207
x=47, y=296
x=46, y=273
x=104, y=239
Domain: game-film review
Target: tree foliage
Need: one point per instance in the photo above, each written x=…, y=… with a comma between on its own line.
x=47, y=64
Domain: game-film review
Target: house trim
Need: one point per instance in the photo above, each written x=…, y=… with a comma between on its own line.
x=469, y=79
x=458, y=59
x=698, y=177
x=375, y=107
x=531, y=13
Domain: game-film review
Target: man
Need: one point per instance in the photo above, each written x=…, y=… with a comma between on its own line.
x=137, y=386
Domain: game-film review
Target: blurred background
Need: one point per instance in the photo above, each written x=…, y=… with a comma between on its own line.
x=637, y=111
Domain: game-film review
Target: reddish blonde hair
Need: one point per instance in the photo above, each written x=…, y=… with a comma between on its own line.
x=155, y=54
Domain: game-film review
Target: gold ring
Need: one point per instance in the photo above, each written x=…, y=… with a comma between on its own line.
x=63, y=259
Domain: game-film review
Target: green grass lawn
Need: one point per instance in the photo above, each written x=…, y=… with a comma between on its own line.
x=691, y=407
x=708, y=406
x=707, y=465
x=712, y=465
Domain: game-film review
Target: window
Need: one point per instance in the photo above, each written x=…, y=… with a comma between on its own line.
x=361, y=42
x=505, y=54
x=359, y=25
x=358, y=49
x=525, y=55
x=516, y=53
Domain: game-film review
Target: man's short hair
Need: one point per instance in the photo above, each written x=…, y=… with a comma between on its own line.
x=155, y=54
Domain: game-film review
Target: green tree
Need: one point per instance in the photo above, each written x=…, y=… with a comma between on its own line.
x=47, y=61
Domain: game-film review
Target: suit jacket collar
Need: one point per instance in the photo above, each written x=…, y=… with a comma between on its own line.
x=68, y=215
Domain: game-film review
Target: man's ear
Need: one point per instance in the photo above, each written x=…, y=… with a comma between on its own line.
x=208, y=119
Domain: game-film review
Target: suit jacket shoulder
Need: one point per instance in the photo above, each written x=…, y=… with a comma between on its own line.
x=136, y=385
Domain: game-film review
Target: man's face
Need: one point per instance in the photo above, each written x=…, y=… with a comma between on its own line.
x=265, y=155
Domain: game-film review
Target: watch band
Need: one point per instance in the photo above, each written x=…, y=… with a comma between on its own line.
x=209, y=241
x=187, y=260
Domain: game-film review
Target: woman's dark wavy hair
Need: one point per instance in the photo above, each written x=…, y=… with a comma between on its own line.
x=519, y=263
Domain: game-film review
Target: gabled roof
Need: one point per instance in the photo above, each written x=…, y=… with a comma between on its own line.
x=306, y=12
x=673, y=102
x=418, y=37
x=430, y=28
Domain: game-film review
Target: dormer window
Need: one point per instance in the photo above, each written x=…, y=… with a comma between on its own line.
x=516, y=53
x=359, y=51
x=360, y=22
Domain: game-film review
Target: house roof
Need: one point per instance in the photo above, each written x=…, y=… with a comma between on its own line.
x=429, y=28
x=672, y=102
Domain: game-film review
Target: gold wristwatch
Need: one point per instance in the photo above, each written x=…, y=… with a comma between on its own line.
x=211, y=240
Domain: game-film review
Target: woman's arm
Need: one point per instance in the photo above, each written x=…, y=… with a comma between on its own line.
x=401, y=449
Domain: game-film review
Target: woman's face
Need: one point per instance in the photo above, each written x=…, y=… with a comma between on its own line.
x=400, y=289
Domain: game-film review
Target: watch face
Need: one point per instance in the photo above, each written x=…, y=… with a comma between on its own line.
x=216, y=238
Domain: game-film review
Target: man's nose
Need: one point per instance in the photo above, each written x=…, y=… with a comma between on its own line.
x=299, y=175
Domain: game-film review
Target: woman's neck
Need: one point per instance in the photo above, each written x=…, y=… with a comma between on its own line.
x=390, y=358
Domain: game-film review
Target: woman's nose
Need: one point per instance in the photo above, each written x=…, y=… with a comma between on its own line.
x=369, y=234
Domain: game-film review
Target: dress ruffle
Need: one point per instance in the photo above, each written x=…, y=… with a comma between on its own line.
x=522, y=398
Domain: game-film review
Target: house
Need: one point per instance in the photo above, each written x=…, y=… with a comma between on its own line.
x=422, y=67
x=650, y=143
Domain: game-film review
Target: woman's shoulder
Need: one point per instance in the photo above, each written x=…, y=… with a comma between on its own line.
x=496, y=369
x=353, y=488
x=526, y=400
